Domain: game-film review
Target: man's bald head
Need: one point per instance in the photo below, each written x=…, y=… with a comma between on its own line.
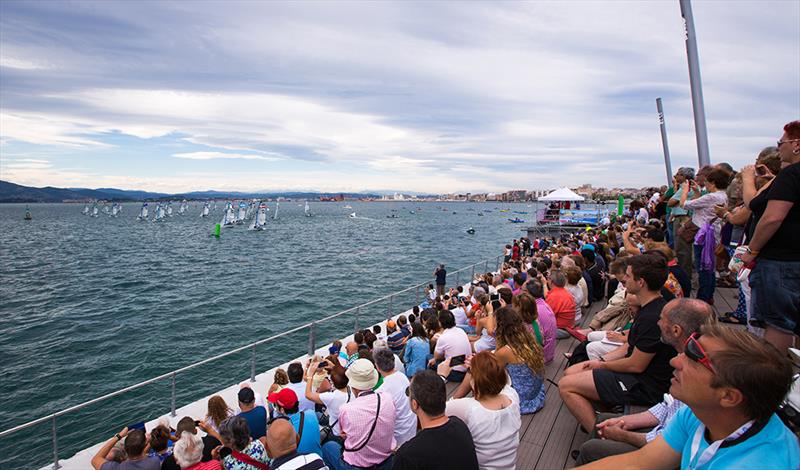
x=281, y=438
x=352, y=348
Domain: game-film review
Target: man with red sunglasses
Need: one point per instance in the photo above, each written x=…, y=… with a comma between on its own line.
x=732, y=383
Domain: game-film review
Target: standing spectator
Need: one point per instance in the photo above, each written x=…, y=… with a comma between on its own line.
x=492, y=414
x=441, y=279
x=367, y=424
x=395, y=383
x=681, y=216
x=562, y=303
x=135, y=446
x=775, y=279
x=305, y=422
x=256, y=416
x=443, y=443
x=417, y=351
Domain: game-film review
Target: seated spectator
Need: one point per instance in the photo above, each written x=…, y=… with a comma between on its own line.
x=543, y=315
x=367, y=424
x=595, y=267
x=574, y=276
x=484, y=329
x=282, y=449
x=298, y=385
x=305, y=422
x=492, y=414
x=604, y=341
x=218, y=411
x=614, y=434
x=188, y=452
x=256, y=416
x=637, y=373
x=236, y=436
x=562, y=303
x=417, y=351
x=395, y=383
x=378, y=332
x=159, y=442
x=732, y=383
x=397, y=336
x=332, y=399
x=210, y=441
x=434, y=330
x=443, y=443
x=452, y=342
x=135, y=445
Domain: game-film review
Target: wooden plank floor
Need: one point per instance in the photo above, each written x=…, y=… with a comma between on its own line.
x=548, y=437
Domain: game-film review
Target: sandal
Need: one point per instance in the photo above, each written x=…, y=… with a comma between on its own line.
x=728, y=318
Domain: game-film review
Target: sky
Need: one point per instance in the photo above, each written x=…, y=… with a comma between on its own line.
x=431, y=97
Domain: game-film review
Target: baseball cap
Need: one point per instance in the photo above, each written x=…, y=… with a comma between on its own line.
x=286, y=398
x=246, y=395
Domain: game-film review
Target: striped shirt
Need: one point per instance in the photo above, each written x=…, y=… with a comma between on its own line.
x=663, y=412
x=355, y=420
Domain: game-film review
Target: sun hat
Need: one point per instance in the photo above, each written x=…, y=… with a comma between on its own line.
x=362, y=374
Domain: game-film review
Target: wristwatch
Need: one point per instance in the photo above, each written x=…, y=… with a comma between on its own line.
x=117, y=436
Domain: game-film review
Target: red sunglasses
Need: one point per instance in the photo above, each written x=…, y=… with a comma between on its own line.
x=695, y=352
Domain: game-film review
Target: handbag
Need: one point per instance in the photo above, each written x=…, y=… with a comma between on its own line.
x=326, y=431
x=244, y=458
x=688, y=230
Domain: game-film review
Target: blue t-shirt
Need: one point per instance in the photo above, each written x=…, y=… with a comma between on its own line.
x=256, y=421
x=309, y=442
x=774, y=447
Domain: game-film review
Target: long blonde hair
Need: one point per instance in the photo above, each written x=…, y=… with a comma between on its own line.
x=511, y=332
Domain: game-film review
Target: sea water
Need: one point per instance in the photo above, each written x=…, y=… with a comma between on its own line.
x=91, y=305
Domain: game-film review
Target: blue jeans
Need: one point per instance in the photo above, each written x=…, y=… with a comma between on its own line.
x=775, y=294
x=332, y=455
x=706, y=278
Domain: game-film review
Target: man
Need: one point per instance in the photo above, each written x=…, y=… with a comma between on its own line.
x=441, y=279
x=636, y=373
x=298, y=386
x=396, y=336
x=562, y=303
x=367, y=424
x=135, y=445
x=680, y=318
x=452, y=342
x=443, y=442
x=305, y=422
x=396, y=383
x=683, y=248
x=256, y=415
x=210, y=441
x=732, y=382
x=282, y=449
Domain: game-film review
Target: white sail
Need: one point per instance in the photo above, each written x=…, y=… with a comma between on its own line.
x=260, y=219
x=106, y=209
x=115, y=210
x=168, y=210
x=205, y=210
x=160, y=213
x=275, y=216
x=85, y=210
x=307, y=210
x=143, y=212
x=228, y=217
x=241, y=216
x=95, y=211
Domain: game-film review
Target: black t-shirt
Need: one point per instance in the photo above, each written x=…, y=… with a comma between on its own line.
x=209, y=443
x=646, y=336
x=786, y=187
x=448, y=446
x=441, y=275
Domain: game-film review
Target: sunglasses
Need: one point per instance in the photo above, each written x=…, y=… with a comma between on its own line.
x=695, y=352
x=781, y=142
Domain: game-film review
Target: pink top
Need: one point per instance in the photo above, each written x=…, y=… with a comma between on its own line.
x=547, y=322
x=355, y=420
x=210, y=465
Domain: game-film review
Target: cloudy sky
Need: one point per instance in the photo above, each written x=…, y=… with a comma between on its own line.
x=418, y=96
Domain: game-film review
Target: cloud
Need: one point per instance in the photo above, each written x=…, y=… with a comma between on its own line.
x=221, y=155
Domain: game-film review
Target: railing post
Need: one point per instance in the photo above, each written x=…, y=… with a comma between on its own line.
x=311, y=339
x=416, y=295
x=458, y=278
x=253, y=364
x=473, y=274
x=486, y=266
x=55, y=446
x=172, y=413
x=391, y=305
x=355, y=325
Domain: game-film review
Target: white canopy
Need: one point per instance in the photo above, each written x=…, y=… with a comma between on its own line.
x=562, y=194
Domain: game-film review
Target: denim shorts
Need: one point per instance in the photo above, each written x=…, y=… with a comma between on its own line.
x=775, y=294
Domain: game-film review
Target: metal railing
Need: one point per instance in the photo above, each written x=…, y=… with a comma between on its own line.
x=494, y=263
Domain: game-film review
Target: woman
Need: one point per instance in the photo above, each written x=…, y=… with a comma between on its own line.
x=417, y=350
x=332, y=399
x=434, y=330
x=189, y=451
x=218, y=411
x=705, y=219
x=279, y=381
x=542, y=328
x=484, y=340
x=574, y=276
x=492, y=414
x=235, y=435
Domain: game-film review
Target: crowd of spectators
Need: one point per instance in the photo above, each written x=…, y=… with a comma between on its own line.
x=711, y=391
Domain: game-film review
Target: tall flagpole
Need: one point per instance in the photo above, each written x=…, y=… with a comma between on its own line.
x=664, y=144
x=698, y=107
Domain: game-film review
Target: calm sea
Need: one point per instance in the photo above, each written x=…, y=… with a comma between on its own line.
x=91, y=305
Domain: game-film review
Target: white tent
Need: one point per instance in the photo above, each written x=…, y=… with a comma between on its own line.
x=562, y=194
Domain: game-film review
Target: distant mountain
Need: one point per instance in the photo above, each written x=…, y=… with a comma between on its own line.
x=10, y=192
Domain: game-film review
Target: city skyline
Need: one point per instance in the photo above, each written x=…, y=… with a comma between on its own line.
x=430, y=98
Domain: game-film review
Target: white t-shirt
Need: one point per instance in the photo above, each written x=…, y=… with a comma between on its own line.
x=300, y=389
x=461, y=316
x=453, y=342
x=495, y=432
x=577, y=294
x=333, y=400
x=405, y=424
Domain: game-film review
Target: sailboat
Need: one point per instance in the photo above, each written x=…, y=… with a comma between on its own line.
x=205, y=211
x=241, y=216
x=106, y=209
x=228, y=217
x=115, y=209
x=95, y=211
x=28, y=215
x=85, y=210
x=260, y=219
x=348, y=206
x=352, y=215
x=307, y=210
x=142, y=212
x=168, y=210
x=275, y=215
x=160, y=213
x=183, y=208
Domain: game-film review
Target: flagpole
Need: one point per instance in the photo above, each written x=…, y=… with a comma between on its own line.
x=664, y=144
x=700, y=130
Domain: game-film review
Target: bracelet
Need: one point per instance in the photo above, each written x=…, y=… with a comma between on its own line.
x=601, y=359
x=752, y=252
x=444, y=377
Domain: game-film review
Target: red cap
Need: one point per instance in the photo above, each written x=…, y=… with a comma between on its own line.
x=286, y=398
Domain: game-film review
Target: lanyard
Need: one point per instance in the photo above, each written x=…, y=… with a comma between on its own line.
x=712, y=449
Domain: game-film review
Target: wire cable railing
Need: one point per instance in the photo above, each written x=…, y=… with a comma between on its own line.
x=356, y=312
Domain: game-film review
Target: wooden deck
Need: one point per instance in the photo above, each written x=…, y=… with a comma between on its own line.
x=548, y=437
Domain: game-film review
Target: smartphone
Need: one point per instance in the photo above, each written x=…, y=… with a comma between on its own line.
x=494, y=297
x=197, y=422
x=496, y=304
x=323, y=364
x=139, y=425
x=458, y=360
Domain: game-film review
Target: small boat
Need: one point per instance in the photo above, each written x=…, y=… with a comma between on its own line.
x=480, y=214
x=85, y=210
x=307, y=210
x=520, y=212
x=412, y=212
x=504, y=210
x=260, y=219
x=143, y=212
x=242, y=215
x=160, y=213
x=275, y=215
x=516, y=220
x=205, y=211
x=28, y=215
x=348, y=206
x=352, y=215
x=392, y=216
x=471, y=231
